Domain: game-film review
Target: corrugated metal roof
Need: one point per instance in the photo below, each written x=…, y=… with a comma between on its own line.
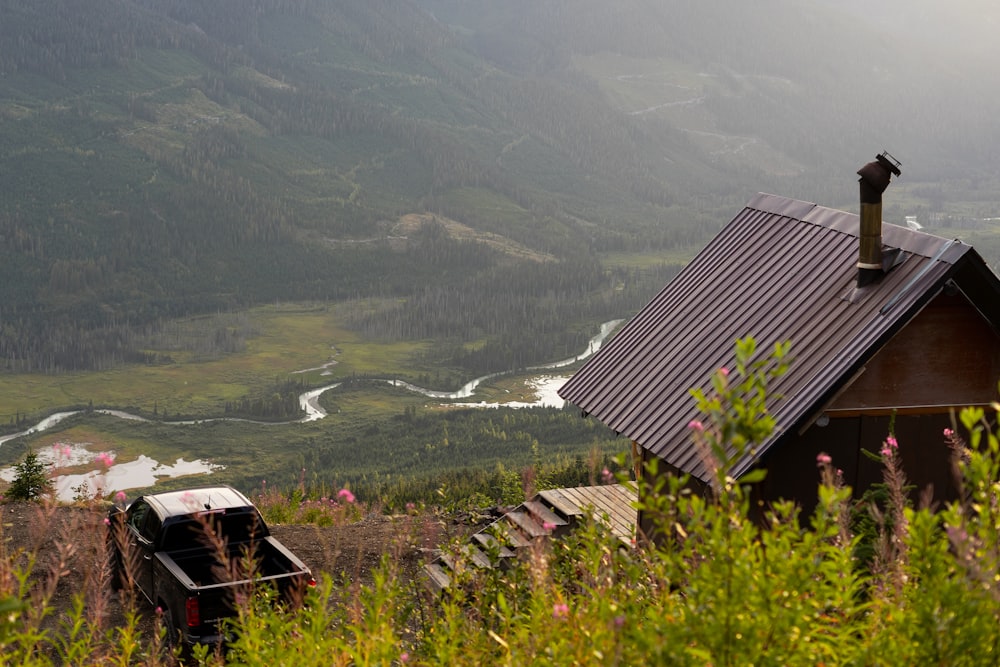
x=781, y=270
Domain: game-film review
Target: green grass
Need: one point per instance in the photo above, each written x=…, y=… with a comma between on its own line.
x=290, y=338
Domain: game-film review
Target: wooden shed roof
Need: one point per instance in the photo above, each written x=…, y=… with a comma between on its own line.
x=781, y=270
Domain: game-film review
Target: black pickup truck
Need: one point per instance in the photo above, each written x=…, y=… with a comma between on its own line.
x=193, y=553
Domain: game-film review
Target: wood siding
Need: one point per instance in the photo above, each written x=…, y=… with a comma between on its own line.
x=792, y=472
x=948, y=355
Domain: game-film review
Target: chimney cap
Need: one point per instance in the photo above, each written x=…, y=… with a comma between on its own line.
x=875, y=176
x=889, y=162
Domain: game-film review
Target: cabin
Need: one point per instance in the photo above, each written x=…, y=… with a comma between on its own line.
x=888, y=326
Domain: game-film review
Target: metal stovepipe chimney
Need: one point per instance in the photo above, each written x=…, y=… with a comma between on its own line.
x=875, y=177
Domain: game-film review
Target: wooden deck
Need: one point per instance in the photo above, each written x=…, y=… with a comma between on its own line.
x=614, y=504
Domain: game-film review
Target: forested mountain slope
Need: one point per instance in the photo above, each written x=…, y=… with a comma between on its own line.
x=168, y=157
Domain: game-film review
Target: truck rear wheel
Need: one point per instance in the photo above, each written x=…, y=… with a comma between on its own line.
x=172, y=639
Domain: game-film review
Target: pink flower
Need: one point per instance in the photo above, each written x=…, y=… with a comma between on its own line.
x=948, y=433
x=560, y=610
x=823, y=459
x=107, y=521
x=891, y=441
x=606, y=476
x=404, y=657
x=886, y=450
x=619, y=620
x=696, y=425
x=724, y=372
x=106, y=459
x=549, y=526
x=346, y=495
x=120, y=497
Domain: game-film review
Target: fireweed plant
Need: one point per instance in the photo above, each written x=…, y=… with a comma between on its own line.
x=717, y=585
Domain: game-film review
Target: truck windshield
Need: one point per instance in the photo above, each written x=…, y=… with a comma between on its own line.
x=232, y=528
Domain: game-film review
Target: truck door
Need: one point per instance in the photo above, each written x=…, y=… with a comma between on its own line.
x=139, y=553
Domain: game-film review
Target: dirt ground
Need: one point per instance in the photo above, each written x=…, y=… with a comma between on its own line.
x=67, y=545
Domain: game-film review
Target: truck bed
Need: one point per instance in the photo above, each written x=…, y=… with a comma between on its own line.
x=200, y=567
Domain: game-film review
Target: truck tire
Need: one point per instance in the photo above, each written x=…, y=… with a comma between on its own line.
x=115, y=572
x=172, y=639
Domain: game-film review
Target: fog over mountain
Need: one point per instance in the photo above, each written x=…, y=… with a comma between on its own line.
x=460, y=167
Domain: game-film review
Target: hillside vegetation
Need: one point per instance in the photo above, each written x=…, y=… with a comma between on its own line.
x=854, y=583
x=171, y=157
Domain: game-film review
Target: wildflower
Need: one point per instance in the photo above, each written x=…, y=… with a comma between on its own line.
x=619, y=620
x=723, y=371
x=696, y=425
x=823, y=459
x=949, y=434
x=106, y=459
x=606, y=476
x=404, y=657
x=549, y=526
x=560, y=610
x=346, y=495
x=107, y=521
x=120, y=497
x=159, y=611
x=67, y=451
x=889, y=447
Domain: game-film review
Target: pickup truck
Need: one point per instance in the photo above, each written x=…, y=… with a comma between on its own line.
x=194, y=553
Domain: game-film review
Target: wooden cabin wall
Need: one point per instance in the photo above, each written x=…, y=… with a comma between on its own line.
x=792, y=472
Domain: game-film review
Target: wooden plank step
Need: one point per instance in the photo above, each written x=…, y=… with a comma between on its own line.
x=528, y=526
x=509, y=535
x=490, y=545
x=471, y=555
x=478, y=558
x=558, y=500
x=543, y=514
x=437, y=578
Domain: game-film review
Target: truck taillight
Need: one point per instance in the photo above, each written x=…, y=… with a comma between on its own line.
x=193, y=612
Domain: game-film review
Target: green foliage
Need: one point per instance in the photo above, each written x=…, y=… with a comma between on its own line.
x=736, y=412
x=718, y=586
x=302, y=507
x=31, y=479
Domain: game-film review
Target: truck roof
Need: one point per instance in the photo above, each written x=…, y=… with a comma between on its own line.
x=191, y=501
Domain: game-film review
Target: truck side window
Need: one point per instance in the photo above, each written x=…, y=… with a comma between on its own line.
x=137, y=516
x=151, y=527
